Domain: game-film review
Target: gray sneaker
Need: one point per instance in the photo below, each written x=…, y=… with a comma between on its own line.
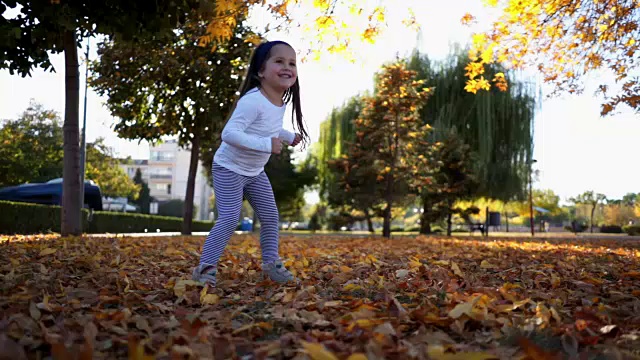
x=277, y=272
x=205, y=273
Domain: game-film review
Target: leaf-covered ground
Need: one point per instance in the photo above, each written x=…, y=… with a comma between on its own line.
x=358, y=298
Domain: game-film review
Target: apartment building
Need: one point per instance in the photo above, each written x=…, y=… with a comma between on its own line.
x=167, y=172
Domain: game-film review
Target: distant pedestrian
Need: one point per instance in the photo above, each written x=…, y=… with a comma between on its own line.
x=254, y=132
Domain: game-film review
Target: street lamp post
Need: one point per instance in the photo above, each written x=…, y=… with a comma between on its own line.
x=533, y=161
x=83, y=137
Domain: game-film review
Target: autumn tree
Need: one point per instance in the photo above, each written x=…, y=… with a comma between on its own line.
x=289, y=182
x=591, y=199
x=42, y=28
x=565, y=41
x=31, y=147
x=31, y=151
x=384, y=130
x=449, y=177
x=335, y=27
x=103, y=168
x=173, y=88
x=353, y=186
x=618, y=214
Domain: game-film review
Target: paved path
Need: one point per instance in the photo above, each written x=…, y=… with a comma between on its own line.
x=477, y=235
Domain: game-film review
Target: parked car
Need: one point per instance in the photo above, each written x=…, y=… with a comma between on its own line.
x=50, y=193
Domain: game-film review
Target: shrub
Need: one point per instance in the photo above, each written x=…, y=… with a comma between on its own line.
x=314, y=222
x=397, y=229
x=579, y=228
x=632, y=230
x=174, y=208
x=611, y=229
x=114, y=222
x=26, y=218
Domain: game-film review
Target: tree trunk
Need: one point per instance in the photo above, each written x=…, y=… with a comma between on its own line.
x=425, y=225
x=506, y=218
x=255, y=221
x=593, y=210
x=386, y=224
x=187, y=219
x=449, y=216
x=71, y=223
x=386, y=227
x=367, y=214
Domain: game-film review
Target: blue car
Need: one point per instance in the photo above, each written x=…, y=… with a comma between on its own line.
x=50, y=193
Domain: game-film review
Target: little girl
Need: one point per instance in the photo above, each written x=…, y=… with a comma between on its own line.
x=254, y=132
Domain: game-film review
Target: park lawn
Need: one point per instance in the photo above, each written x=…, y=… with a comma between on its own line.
x=358, y=298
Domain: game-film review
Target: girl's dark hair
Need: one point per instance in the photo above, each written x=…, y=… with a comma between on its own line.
x=260, y=55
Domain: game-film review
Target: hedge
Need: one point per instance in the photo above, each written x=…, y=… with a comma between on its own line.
x=611, y=229
x=25, y=218
x=633, y=230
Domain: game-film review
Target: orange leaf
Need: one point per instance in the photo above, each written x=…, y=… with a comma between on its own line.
x=535, y=352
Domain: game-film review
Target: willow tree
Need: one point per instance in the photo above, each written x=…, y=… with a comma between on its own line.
x=336, y=132
x=496, y=124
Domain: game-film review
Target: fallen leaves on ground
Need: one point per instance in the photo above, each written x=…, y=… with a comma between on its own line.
x=357, y=298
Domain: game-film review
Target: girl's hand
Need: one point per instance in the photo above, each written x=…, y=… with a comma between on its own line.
x=296, y=140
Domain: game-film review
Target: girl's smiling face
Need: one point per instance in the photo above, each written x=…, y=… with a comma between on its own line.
x=279, y=71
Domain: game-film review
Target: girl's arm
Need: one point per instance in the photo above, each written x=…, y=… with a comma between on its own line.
x=287, y=136
x=234, y=133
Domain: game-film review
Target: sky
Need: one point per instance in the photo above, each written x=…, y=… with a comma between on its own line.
x=576, y=150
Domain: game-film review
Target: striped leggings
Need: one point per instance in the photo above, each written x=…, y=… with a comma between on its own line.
x=229, y=187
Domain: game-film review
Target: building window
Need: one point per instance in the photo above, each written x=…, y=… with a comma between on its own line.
x=169, y=189
x=162, y=187
x=161, y=172
x=162, y=156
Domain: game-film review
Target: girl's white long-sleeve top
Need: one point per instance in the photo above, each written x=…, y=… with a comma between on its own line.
x=246, y=138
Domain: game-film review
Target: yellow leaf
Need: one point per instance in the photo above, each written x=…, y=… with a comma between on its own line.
x=47, y=251
x=318, y=351
x=350, y=287
x=345, y=269
x=358, y=356
x=464, y=308
x=323, y=5
x=333, y=303
x=288, y=297
x=461, y=309
x=364, y=323
x=486, y=265
x=456, y=269
x=511, y=307
x=181, y=286
x=208, y=299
